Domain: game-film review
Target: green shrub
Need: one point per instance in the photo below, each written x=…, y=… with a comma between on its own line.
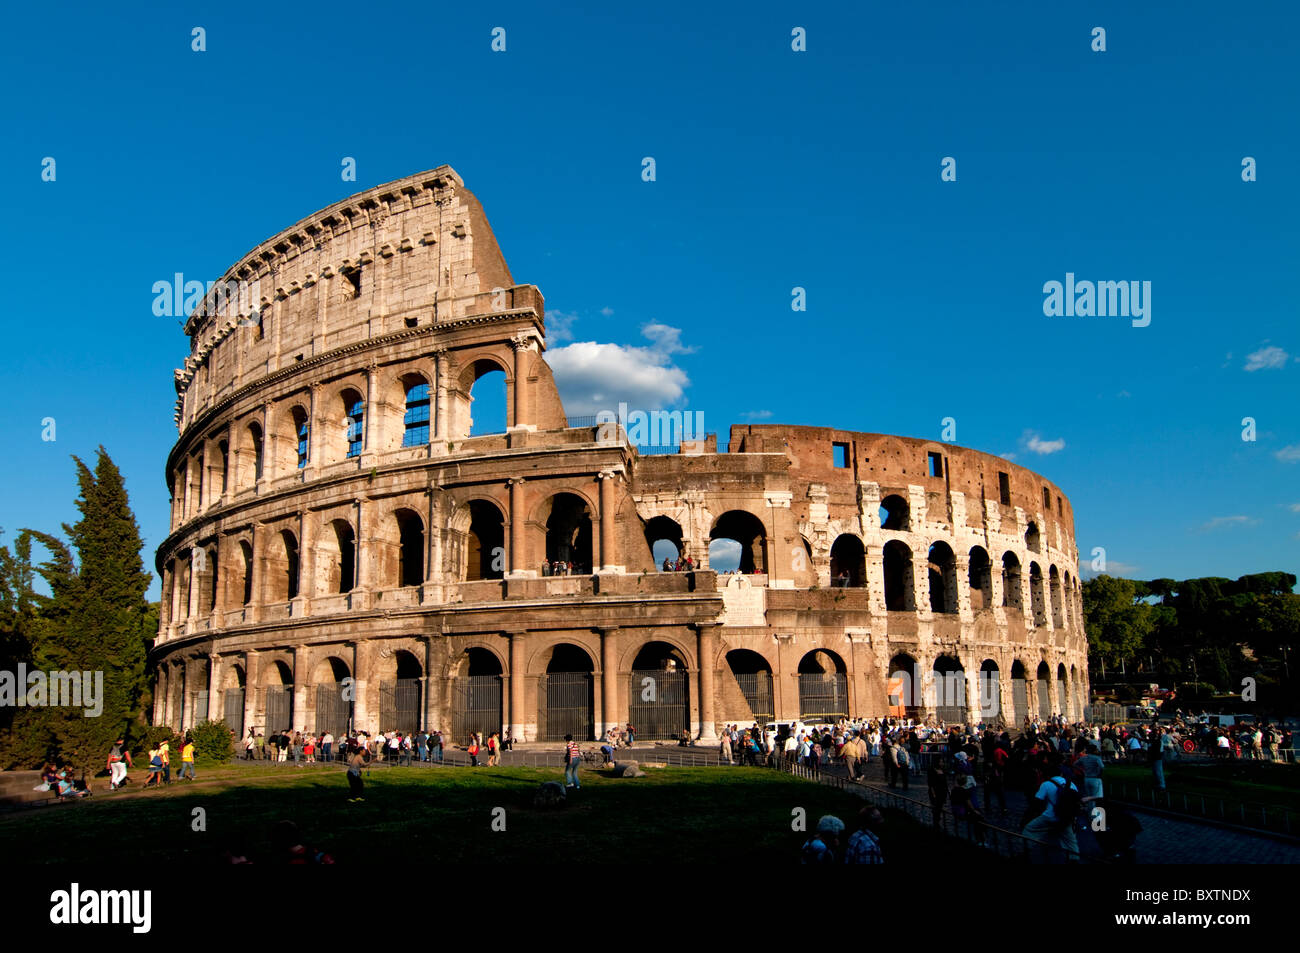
x=212, y=742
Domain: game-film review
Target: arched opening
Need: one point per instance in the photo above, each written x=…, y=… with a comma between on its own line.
x=903, y=687
x=658, y=697
x=1019, y=692
x=980, y=579
x=181, y=584
x=223, y=448
x=943, y=578
x=486, y=546
x=410, y=548
x=1058, y=606
x=990, y=692
x=663, y=535
x=823, y=687
x=567, y=698
x=1067, y=598
x=738, y=542
x=354, y=422
x=282, y=568
x=253, y=445
x=487, y=400
x=1011, y=597
x=568, y=532
x=279, y=697
x=754, y=676
x=1044, y=693
x=336, y=558
x=895, y=514
x=949, y=690
x=1062, y=691
x=333, y=696
x=205, y=578
x=400, y=700
x=415, y=420
x=246, y=568
x=232, y=710
x=848, y=561
x=1032, y=538
x=896, y=559
x=476, y=695
x=302, y=436
x=1037, y=596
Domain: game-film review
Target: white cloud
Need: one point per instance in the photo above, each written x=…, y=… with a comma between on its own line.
x=592, y=377
x=1266, y=358
x=1289, y=454
x=1294, y=507
x=607, y=311
x=559, y=325
x=756, y=414
x=1031, y=441
x=724, y=555
x=1219, y=522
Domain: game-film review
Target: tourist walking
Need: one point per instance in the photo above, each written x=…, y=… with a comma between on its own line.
x=1059, y=799
x=187, y=758
x=355, y=785
x=822, y=846
x=572, y=760
x=250, y=745
x=494, y=750
x=165, y=752
x=864, y=846
x=119, y=759
x=724, y=746
x=473, y=751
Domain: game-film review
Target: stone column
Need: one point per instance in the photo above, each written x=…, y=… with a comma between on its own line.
x=441, y=407
x=517, y=520
x=518, y=718
x=160, y=696
x=270, y=459
x=611, y=712
x=252, y=683
x=523, y=346
x=608, y=559
x=921, y=582
x=300, y=676
x=314, y=430
x=707, y=649
x=192, y=596
x=216, y=704
x=961, y=569
x=973, y=693
x=780, y=566
x=376, y=413
x=187, y=696
x=363, y=669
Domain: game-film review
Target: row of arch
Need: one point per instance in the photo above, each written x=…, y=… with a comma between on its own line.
x=337, y=428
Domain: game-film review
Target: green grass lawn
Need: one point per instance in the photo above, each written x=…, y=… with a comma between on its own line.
x=1272, y=785
x=444, y=815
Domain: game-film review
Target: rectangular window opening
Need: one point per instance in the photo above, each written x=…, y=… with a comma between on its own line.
x=936, y=464
x=840, y=455
x=1004, y=488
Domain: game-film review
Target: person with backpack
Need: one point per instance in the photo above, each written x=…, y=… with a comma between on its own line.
x=1061, y=804
x=119, y=759
x=473, y=750
x=904, y=760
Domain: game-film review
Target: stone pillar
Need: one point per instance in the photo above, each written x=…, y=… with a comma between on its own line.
x=961, y=569
x=160, y=696
x=608, y=559
x=376, y=413
x=518, y=718
x=611, y=711
x=707, y=649
x=921, y=582
x=780, y=565
x=517, y=520
x=363, y=669
x=315, y=411
x=187, y=696
x=441, y=406
x=192, y=596
x=270, y=459
x=973, y=694
x=367, y=553
x=523, y=345
x=300, y=676
x=216, y=704
x=252, y=683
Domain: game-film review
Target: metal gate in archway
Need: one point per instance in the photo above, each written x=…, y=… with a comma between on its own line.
x=234, y=710
x=569, y=700
x=757, y=689
x=475, y=705
x=399, y=705
x=658, y=703
x=823, y=696
x=1019, y=700
x=200, y=707
x=333, y=709
x=1044, y=700
x=279, y=708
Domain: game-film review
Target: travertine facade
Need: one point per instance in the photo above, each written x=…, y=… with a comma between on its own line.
x=342, y=549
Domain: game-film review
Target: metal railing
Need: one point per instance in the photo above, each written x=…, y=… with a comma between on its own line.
x=1262, y=817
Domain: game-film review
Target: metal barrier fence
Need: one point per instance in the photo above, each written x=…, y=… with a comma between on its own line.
x=1262, y=817
x=1009, y=845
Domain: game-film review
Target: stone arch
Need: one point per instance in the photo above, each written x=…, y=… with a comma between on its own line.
x=663, y=535
x=980, y=579
x=1011, y=593
x=477, y=659
x=823, y=686
x=895, y=514
x=848, y=561
x=990, y=691
x=1019, y=692
x=752, y=673
x=207, y=578
x=900, y=591
x=658, y=690
x=1033, y=539
x=1057, y=603
x=342, y=420
x=330, y=668
x=292, y=436
x=282, y=582
x=949, y=688
x=476, y=691
x=565, y=520
x=470, y=370
x=249, y=454
x=409, y=396
x=660, y=645
x=335, y=557
x=478, y=530
x=244, y=564
x=566, y=697
x=748, y=532
x=904, y=686
x=277, y=690
x=400, y=548
x=1037, y=595
x=942, y=567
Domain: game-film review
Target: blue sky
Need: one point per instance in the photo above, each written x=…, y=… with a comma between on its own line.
x=774, y=169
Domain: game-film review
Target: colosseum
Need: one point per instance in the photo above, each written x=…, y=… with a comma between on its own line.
x=347, y=551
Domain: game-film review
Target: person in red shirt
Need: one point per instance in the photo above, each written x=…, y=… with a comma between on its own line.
x=572, y=759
